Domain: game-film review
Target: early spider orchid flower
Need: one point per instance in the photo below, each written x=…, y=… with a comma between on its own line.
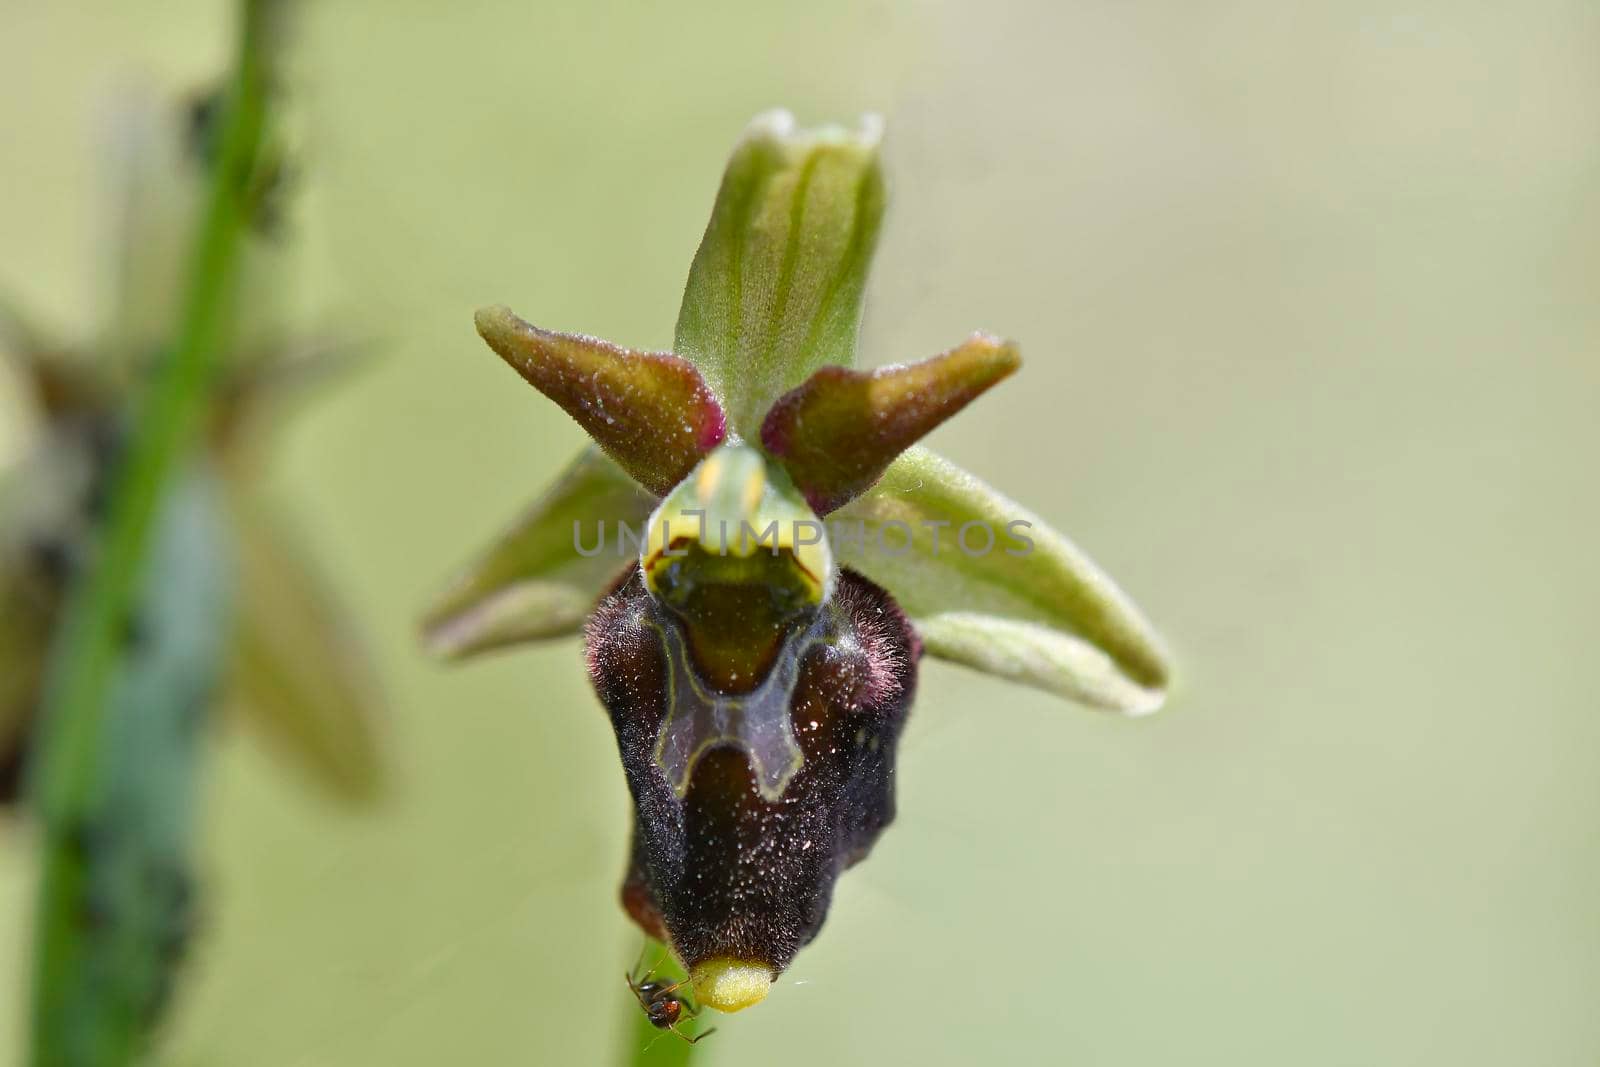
x=758, y=656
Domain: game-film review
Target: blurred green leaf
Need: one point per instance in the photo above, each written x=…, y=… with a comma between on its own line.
x=303, y=676
x=1045, y=615
x=534, y=583
x=775, y=289
x=262, y=386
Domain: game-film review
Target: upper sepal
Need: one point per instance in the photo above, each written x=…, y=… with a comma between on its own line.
x=1007, y=595
x=775, y=289
x=839, y=431
x=649, y=411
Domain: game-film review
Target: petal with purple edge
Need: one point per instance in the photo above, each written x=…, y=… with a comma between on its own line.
x=838, y=432
x=649, y=411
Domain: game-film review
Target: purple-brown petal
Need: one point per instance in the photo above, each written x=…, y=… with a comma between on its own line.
x=649, y=411
x=725, y=871
x=838, y=431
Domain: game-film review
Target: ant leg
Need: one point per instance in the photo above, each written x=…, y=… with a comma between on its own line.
x=674, y=987
x=640, y=961
x=697, y=1038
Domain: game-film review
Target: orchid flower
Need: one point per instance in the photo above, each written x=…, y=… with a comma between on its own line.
x=784, y=553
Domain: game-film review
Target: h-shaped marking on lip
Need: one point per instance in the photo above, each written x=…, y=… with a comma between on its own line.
x=758, y=722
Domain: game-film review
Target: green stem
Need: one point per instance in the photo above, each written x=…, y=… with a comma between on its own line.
x=649, y=1047
x=70, y=754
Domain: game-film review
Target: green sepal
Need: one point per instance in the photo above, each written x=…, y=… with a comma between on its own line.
x=1045, y=616
x=775, y=289
x=299, y=671
x=534, y=583
x=264, y=388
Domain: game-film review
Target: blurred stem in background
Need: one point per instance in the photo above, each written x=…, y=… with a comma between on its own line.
x=113, y=684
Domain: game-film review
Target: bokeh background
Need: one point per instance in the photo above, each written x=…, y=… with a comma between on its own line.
x=1307, y=299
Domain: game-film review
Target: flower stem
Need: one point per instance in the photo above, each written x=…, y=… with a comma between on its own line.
x=72, y=751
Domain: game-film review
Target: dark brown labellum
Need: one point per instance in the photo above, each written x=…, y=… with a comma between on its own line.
x=734, y=863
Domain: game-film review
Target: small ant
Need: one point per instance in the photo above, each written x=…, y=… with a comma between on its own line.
x=663, y=1005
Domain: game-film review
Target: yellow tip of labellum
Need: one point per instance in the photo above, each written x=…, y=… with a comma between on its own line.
x=731, y=985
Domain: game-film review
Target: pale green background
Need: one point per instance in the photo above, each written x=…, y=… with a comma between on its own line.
x=1307, y=298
